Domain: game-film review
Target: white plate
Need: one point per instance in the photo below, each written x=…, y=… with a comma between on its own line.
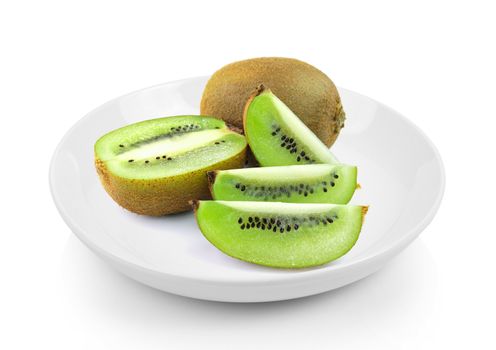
x=400, y=172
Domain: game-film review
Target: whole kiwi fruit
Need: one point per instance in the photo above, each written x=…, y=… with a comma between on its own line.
x=308, y=92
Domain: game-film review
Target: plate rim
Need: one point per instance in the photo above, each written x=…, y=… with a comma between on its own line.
x=302, y=275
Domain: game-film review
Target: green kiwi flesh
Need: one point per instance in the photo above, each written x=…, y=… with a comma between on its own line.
x=284, y=235
x=277, y=136
x=167, y=146
x=313, y=183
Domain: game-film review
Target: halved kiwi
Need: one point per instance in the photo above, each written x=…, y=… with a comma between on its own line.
x=313, y=183
x=285, y=235
x=277, y=136
x=156, y=166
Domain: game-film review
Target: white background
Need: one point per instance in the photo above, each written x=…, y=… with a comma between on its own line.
x=433, y=61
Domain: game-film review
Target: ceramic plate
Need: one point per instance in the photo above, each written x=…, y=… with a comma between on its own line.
x=399, y=169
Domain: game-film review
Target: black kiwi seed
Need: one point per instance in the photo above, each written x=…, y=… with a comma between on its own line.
x=157, y=157
x=258, y=225
x=257, y=219
x=240, y=220
x=243, y=187
x=305, y=194
x=263, y=227
x=223, y=141
x=278, y=129
x=307, y=158
x=329, y=220
x=311, y=190
x=298, y=158
x=278, y=222
x=302, y=153
x=272, y=221
x=336, y=176
x=121, y=145
x=238, y=185
x=131, y=160
x=242, y=227
x=274, y=229
x=250, y=219
x=164, y=157
x=301, y=185
x=281, y=229
x=288, y=146
x=147, y=161
x=264, y=220
x=288, y=228
x=253, y=224
x=283, y=137
x=296, y=227
x=273, y=133
x=283, y=144
x=169, y=158
x=332, y=184
x=324, y=183
x=217, y=143
x=325, y=189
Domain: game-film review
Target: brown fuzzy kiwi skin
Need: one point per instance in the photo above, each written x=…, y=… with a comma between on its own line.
x=307, y=91
x=162, y=196
x=211, y=175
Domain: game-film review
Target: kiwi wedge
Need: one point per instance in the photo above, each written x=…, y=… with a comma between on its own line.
x=277, y=136
x=284, y=235
x=313, y=183
x=156, y=167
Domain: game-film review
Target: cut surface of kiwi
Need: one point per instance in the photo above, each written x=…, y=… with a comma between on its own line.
x=284, y=235
x=313, y=183
x=277, y=136
x=156, y=166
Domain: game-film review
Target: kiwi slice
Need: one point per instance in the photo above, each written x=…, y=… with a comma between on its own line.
x=157, y=166
x=286, y=235
x=313, y=183
x=277, y=136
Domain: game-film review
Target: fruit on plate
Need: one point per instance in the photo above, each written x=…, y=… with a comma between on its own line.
x=313, y=183
x=156, y=167
x=305, y=89
x=285, y=235
x=277, y=136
